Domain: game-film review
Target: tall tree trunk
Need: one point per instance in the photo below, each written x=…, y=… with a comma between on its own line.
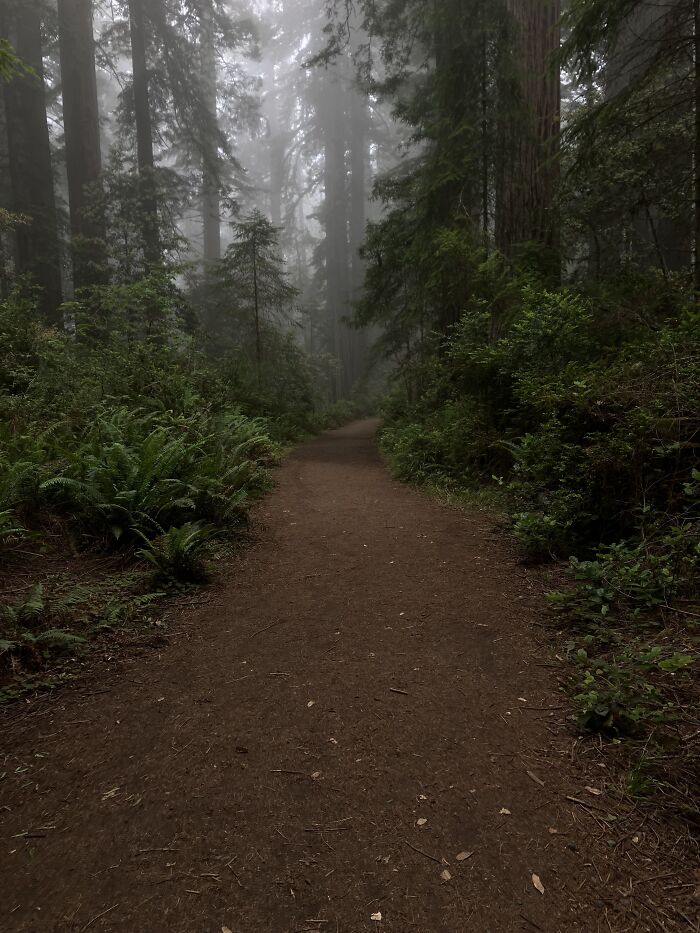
x=696, y=166
x=335, y=216
x=8, y=249
x=527, y=201
x=276, y=146
x=211, y=204
x=29, y=151
x=82, y=132
x=256, y=305
x=485, y=148
x=359, y=126
x=144, y=132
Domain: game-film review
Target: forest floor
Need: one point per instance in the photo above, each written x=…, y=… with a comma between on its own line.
x=360, y=729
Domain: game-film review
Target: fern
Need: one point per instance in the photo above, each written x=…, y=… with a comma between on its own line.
x=11, y=531
x=178, y=555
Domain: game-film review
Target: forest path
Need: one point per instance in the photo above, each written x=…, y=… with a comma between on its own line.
x=372, y=662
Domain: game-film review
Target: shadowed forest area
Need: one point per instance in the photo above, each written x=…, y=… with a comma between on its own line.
x=229, y=226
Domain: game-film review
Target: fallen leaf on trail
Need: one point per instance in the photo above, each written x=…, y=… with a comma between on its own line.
x=316, y=775
x=226, y=930
x=311, y=703
x=538, y=884
x=376, y=917
x=553, y=831
x=463, y=856
x=421, y=822
x=504, y=812
x=333, y=741
x=595, y=791
x=445, y=875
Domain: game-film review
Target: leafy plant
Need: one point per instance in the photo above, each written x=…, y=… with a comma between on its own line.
x=21, y=638
x=11, y=531
x=178, y=554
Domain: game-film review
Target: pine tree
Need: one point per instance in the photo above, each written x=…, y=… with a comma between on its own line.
x=253, y=274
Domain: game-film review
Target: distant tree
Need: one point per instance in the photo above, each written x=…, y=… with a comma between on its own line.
x=332, y=116
x=119, y=201
x=252, y=272
x=211, y=173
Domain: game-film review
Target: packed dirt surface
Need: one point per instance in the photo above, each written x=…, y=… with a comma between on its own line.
x=360, y=730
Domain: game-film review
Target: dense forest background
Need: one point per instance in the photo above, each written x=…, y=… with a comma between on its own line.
x=220, y=223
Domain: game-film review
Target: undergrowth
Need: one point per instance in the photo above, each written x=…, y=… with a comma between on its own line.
x=583, y=425
x=123, y=439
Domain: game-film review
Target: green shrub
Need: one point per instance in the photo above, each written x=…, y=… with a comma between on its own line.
x=178, y=554
x=19, y=635
x=11, y=531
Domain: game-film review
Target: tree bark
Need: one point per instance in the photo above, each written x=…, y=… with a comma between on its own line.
x=696, y=154
x=530, y=174
x=82, y=134
x=31, y=170
x=144, y=132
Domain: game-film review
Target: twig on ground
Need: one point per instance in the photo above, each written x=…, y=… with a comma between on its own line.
x=90, y=922
x=421, y=852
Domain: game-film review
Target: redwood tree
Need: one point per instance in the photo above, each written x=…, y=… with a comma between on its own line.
x=82, y=133
x=144, y=130
x=211, y=205
x=29, y=156
x=529, y=172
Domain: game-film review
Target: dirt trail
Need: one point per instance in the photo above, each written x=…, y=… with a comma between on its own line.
x=373, y=662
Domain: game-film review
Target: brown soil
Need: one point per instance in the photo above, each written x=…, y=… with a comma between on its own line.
x=369, y=695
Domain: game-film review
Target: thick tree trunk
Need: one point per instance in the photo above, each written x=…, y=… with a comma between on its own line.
x=211, y=203
x=29, y=151
x=529, y=176
x=82, y=133
x=144, y=132
x=696, y=154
